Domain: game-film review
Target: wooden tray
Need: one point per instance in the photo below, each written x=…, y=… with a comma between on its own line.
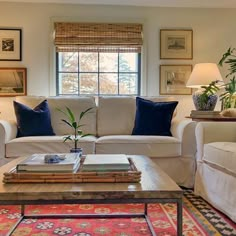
x=131, y=176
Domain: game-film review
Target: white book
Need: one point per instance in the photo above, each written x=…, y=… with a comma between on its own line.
x=69, y=162
x=106, y=162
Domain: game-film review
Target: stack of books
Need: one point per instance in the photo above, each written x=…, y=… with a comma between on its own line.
x=69, y=162
x=204, y=114
x=106, y=162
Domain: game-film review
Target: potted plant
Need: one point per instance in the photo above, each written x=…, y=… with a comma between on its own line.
x=228, y=98
x=207, y=98
x=75, y=125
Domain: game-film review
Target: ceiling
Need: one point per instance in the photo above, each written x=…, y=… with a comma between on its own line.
x=161, y=3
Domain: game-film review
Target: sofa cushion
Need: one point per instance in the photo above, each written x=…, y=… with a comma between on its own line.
x=76, y=104
x=46, y=144
x=152, y=146
x=33, y=122
x=221, y=154
x=153, y=118
x=116, y=115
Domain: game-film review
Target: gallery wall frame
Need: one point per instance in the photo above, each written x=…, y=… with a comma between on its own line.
x=173, y=79
x=176, y=44
x=10, y=44
x=13, y=82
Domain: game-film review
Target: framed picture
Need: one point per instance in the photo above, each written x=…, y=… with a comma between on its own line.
x=12, y=81
x=10, y=45
x=173, y=79
x=176, y=44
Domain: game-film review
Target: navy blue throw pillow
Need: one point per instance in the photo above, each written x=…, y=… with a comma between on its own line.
x=33, y=122
x=153, y=118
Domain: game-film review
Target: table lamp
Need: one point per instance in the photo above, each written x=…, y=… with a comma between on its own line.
x=204, y=74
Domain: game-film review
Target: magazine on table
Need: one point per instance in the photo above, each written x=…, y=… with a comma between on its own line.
x=66, y=162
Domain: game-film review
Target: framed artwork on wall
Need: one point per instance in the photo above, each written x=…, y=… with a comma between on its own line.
x=176, y=44
x=10, y=45
x=173, y=79
x=13, y=82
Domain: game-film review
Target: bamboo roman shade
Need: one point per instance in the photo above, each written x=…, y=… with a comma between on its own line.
x=98, y=37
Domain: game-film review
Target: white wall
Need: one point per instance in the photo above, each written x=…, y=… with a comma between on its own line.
x=213, y=32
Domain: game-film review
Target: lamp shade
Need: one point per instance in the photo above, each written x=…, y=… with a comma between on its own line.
x=203, y=74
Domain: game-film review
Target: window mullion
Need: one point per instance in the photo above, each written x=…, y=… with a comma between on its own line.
x=78, y=73
x=98, y=74
x=139, y=73
x=118, y=73
x=57, y=74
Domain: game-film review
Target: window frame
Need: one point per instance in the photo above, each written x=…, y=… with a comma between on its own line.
x=139, y=56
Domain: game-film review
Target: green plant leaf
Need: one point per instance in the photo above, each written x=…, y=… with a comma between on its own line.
x=79, y=126
x=70, y=115
x=223, y=94
x=84, y=135
x=229, y=58
x=85, y=112
x=80, y=132
x=67, y=138
x=74, y=125
x=225, y=55
x=68, y=123
x=60, y=110
x=210, y=89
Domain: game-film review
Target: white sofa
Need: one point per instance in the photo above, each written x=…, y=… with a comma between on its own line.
x=111, y=124
x=216, y=165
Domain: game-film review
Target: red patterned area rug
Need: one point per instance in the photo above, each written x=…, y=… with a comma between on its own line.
x=199, y=218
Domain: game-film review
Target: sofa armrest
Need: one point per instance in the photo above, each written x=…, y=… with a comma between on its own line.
x=184, y=130
x=8, y=131
x=208, y=132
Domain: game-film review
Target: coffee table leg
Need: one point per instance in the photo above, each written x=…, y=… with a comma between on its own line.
x=149, y=223
x=145, y=209
x=22, y=214
x=179, y=217
x=22, y=210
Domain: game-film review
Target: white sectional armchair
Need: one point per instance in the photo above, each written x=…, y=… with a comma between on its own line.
x=215, y=179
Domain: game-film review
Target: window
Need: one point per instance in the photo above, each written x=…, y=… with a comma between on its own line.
x=98, y=73
x=98, y=59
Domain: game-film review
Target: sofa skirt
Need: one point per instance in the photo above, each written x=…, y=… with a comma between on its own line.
x=180, y=169
x=217, y=187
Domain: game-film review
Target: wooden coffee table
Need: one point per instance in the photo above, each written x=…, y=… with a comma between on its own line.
x=155, y=187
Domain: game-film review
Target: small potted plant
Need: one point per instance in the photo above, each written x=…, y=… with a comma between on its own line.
x=228, y=98
x=207, y=98
x=75, y=125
